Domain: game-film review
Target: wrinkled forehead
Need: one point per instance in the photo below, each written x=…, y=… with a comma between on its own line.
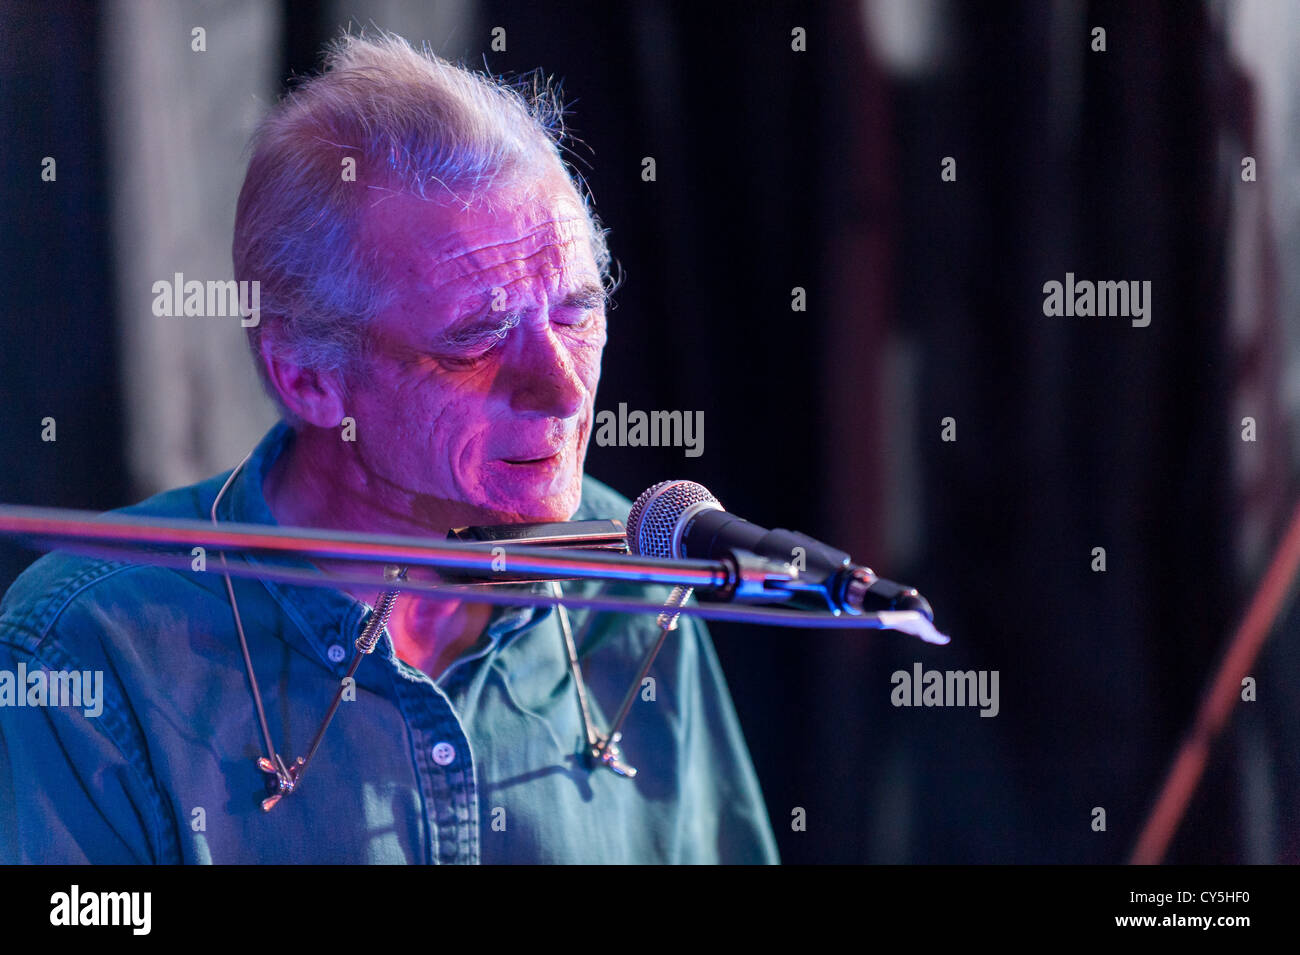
x=527, y=237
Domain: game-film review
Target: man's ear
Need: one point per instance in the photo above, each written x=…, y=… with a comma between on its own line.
x=315, y=397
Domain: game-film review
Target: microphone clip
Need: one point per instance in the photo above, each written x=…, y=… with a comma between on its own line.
x=755, y=579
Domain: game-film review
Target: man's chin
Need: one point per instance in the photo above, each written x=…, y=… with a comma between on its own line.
x=517, y=505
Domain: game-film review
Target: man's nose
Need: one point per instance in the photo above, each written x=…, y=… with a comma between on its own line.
x=545, y=380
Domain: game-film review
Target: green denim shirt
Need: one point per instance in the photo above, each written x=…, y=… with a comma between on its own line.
x=482, y=765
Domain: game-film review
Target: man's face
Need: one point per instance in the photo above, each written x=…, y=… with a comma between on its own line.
x=476, y=405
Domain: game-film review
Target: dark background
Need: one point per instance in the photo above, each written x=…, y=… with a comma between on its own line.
x=778, y=169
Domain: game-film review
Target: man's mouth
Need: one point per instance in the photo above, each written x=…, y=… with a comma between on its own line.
x=543, y=459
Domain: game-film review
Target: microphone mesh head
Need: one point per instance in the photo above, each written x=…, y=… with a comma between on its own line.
x=652, y=522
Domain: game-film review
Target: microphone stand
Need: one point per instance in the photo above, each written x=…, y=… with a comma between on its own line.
x=167, y=542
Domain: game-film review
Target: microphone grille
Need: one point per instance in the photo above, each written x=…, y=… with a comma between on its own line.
x=652, y=522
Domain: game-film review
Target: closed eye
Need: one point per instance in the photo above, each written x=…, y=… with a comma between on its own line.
x=465, y=362
x=581, y=307
x=571, y=318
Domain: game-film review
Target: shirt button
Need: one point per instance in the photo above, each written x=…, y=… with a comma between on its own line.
x=335, y=653
x=444, y=754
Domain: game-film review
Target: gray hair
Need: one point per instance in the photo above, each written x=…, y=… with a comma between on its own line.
x=408, y=119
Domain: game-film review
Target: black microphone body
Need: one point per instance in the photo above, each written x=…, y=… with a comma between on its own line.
x=682, y=519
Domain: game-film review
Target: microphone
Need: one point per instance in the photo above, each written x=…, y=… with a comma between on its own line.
x=681, y=519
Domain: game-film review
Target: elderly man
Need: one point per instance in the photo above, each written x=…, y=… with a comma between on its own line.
x=432, y=320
